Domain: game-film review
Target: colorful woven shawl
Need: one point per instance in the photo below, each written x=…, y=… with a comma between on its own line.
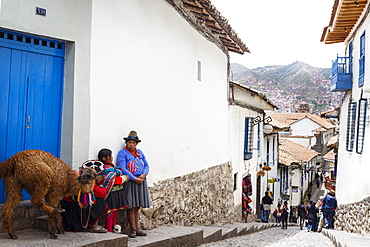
x=84, y=199
x=133, y=165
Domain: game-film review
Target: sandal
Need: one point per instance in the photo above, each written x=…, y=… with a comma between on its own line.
x=140, y=233
x=98, y=229
x=132, y=234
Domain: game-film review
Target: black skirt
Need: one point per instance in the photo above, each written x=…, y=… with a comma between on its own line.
x=116, y=200
x=76, y=219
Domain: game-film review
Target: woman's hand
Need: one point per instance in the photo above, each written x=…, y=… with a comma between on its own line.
x=142, y=176
x=138, y=180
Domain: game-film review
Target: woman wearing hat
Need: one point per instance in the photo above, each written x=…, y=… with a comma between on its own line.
x=85, y=210
x=133, y=163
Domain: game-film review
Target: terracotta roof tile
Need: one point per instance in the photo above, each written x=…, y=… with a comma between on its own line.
x=290, y=118
x=330, y=155
x=300, y=152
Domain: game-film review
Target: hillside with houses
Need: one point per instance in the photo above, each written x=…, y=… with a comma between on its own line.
x=289, y=85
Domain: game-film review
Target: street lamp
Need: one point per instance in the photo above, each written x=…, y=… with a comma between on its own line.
x=267, y=129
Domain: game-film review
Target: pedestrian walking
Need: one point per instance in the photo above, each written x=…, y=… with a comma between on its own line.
x=329, y=207
x=284, y=215
x=277, y=212
x=312, y=217
x=301, y=214
x=320, y=218
x=291, y=215
x=266, y=204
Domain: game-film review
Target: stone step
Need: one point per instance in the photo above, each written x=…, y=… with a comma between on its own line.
x=41, y=223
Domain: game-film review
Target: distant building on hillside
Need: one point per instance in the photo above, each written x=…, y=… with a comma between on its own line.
x=304, y=107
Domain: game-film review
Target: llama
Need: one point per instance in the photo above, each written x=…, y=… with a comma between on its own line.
x=43, y=176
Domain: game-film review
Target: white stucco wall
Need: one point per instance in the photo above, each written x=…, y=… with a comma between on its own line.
x=69, y=21
x=353, y=169
x=144, y=78
x=305, y=142
x=304, y=127
x=243, y=167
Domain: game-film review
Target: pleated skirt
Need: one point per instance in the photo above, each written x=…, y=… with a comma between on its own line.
x=116, y=200
x=76, y=219
x=137, y=194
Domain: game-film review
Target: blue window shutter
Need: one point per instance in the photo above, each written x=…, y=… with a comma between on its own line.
x=248, y=138
x=362, y=61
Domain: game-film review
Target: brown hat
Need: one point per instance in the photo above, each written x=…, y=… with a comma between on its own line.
x=132, y=136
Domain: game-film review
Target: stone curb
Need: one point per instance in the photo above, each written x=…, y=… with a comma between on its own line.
x=196, y=235
x=346, y=239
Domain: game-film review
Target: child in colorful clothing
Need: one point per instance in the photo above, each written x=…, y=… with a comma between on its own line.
x=113, y=182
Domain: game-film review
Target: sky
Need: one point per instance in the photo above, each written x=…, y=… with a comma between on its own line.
x=280, y=32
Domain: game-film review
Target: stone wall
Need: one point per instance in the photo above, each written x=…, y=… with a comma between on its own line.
x=24, y=216
x=354, y=217
x=203, y=198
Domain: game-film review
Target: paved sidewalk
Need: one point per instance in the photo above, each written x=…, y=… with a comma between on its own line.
x=166, y=236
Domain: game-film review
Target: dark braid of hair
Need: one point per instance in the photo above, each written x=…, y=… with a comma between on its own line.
x=105, y=152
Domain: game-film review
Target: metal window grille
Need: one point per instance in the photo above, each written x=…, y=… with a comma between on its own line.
x=351, y=126
x=362, y=106
x=248, y=138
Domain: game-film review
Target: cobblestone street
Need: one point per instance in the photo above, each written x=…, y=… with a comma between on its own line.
x=277, y=237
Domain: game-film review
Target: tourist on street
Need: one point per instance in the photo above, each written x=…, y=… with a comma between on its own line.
x=312, y=217
x=277, y=212
x=284, y=215
x=301, y=214
x=320, y=217
x=329, y=205
x=134, y=164
x=266, y=204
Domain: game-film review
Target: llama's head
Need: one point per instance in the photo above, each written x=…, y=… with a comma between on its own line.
x=87, y=176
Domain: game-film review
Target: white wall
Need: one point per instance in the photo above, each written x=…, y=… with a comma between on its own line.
x=303, y=127
x=144, y=77
x=69, y=21
x=305, y=142
x=243, y=167
x=353, y=169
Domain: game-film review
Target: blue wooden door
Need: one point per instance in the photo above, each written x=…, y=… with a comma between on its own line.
x=31, y=79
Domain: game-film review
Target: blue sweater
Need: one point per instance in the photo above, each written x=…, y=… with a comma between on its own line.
x=124, y=157
x=329, y=202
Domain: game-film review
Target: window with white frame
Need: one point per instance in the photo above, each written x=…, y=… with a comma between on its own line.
x=248, y=138
x=361, y=61
x=351, y=126
x=361, y=122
